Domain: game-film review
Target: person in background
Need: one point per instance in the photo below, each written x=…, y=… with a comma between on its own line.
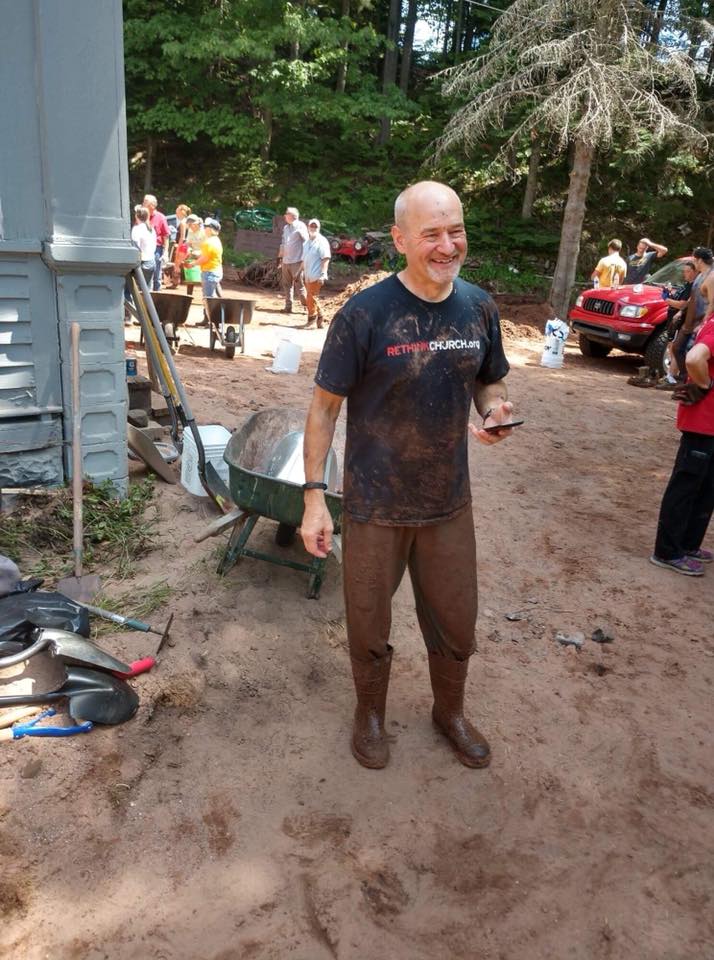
x=290, y=258
x=143, y=236
x=610, y=270
x=639, y=264
x=701, y=303
x=211, y=263
x=182, y=211
x=195, y=235
x=677, y=302
x=688, y=501
x=180, y=249
x=160, y=226
x=316, y=255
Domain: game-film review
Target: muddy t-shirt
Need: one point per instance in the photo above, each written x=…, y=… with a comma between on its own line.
x=408, y=369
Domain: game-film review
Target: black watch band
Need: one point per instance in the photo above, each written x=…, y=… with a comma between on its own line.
x=314, y=485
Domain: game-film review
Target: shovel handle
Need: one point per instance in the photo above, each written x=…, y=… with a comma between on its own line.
x=18, y=713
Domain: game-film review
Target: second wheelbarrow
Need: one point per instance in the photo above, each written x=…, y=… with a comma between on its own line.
x=265, y=475
x=224, y=315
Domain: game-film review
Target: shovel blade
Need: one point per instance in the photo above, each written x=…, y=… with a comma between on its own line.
x=90, y=695
x=77, y=650
x=98, y=697
x=82, y=589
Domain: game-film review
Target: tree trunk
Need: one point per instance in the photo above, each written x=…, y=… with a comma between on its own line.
x=658, y=21
x=389, y=74
x=532, y=181
x=447, y=29
x=408, y=46
x=342, y=68
x=268, y=135
x=458, y=29
x=149, y=167
x=571, y=231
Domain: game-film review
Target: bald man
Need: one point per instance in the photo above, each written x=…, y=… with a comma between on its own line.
x=410, y=354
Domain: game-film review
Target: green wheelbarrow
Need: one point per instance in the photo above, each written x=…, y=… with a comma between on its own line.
x=265, y=476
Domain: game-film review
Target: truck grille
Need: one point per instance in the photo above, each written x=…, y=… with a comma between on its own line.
x=605, y=308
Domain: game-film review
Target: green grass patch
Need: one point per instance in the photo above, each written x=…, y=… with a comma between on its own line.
x=38, y=535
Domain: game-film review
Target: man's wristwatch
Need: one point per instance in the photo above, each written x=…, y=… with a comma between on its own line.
x=314, y=485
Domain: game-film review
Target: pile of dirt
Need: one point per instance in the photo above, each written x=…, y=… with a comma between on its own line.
x=366, y=280
x=523, y=317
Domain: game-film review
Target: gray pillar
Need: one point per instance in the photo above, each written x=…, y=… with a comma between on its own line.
x=64, y=237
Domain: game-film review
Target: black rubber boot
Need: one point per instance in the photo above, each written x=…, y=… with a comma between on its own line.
x=369, y=741
x=448, y=680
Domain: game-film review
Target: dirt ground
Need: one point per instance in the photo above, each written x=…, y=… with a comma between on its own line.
x=229, y=821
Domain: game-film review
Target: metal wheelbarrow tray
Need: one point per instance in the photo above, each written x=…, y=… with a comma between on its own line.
x=265, y=475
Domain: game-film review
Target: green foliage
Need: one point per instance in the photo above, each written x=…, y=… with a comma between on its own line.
x=116, y=532
x=241, y=101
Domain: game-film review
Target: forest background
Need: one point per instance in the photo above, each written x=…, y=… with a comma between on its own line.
x=333, y=107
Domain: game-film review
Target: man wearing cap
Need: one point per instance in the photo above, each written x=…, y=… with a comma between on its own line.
x=290, y=256
x=315, y=258
x=160, y=225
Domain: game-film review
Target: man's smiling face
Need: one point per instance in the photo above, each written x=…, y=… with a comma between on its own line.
x=431, y=234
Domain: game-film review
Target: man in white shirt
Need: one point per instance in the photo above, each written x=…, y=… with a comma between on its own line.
x=315, y=260
x=290, y=257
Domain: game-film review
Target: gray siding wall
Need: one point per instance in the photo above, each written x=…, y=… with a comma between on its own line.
x=64, y=237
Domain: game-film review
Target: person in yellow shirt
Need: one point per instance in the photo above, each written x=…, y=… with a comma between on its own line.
x=611, y=270
x=211, y=259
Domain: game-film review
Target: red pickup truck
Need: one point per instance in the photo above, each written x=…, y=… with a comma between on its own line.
x=632, y=318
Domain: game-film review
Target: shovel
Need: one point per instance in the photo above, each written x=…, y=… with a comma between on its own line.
x=77, y=587
x=70, y=647
x=90, y=695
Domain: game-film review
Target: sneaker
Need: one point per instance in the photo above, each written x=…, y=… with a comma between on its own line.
x=687, y=566
x=703, y=556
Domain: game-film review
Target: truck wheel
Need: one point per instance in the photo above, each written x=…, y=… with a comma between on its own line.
x=590, y=348
x=656, y=351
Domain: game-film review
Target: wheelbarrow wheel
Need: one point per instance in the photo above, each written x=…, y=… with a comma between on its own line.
x=170, y=335
x=230, y=342
x=285, y=535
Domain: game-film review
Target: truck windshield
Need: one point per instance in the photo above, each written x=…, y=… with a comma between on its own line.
x=671, y=273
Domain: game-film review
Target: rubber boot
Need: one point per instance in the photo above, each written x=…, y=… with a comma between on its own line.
x=369, y=741
x=448, y=680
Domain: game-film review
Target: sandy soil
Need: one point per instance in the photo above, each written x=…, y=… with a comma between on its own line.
x=228, y=820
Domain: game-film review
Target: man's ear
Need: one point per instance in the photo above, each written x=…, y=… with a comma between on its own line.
x=398, y=238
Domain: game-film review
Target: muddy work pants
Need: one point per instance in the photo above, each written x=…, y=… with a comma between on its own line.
x=442, y=565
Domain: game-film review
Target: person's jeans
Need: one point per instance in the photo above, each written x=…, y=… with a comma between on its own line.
x=688, y=501
x=211, y=283
x=156, y=281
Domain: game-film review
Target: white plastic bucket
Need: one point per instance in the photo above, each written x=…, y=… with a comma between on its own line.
x=214, y=439
x=287, y=357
